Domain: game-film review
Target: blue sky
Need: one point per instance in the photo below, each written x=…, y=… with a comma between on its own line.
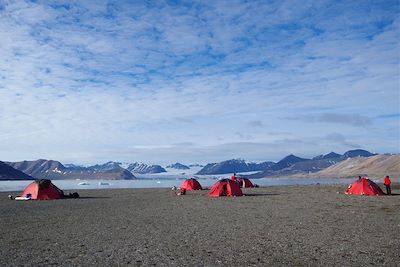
x=197, y=81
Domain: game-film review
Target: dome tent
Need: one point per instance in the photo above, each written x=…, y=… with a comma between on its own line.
x=191, y=184
x=42, y=189
x=244, y=182
x=225, y=187
x=364, y=186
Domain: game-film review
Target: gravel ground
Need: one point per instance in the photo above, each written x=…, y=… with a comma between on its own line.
x=270, y=226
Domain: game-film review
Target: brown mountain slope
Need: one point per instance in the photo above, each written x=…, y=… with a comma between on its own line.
x=375, y=166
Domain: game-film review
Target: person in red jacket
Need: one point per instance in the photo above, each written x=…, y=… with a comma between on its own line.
x=233, y=177
x=387, y=182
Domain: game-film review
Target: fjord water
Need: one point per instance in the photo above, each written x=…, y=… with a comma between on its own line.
x=8, y=186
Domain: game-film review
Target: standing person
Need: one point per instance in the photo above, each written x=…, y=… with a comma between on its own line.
x=233, y=177
x=387, y=182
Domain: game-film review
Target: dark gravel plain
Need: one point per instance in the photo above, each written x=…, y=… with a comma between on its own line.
x=270, y=226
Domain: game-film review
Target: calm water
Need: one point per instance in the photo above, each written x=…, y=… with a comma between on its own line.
x=160, y=183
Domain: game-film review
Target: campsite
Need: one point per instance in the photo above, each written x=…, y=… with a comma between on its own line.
x=274, y=225
x=199, y=133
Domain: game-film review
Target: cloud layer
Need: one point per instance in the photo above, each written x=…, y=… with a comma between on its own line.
x=89, y=81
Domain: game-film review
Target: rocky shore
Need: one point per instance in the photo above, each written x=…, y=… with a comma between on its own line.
x=278, y=225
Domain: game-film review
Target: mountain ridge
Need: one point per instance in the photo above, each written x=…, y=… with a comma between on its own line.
x=178, y=166
x=55, y=170
x=233, y=165
x=142, y=168
x=9, y=173
x=374, y=166
x=288, y=165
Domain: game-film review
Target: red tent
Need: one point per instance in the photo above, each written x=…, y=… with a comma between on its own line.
x=42, y=189
x=191, y=184
x=364, y=186
x=244, y=182
x=225, y=187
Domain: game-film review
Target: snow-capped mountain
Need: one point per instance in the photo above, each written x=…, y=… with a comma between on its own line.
x=136, y=167
x=290, y=164
x=195, y=165
x=51, y=169
x=105, y=166
x=177, y=166
x=234, y=165
x=143, y=168
x=331, y=155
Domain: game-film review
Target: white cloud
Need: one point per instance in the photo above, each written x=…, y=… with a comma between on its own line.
x=79, y=77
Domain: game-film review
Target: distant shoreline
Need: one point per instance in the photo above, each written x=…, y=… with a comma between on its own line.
x=76, y=185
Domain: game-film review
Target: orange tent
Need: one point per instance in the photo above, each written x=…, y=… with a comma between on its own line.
x=42, y=189
x=191, y=184
x=225, y=187
x=364, y=186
